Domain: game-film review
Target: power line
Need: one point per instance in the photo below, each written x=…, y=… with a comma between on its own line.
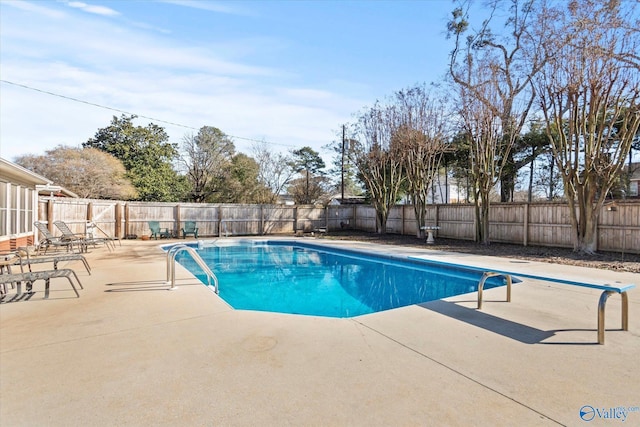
x=130, y=113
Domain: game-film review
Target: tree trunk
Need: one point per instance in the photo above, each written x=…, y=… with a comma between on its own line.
x=585, y=231
x=508, y=181
x=552, y=164
x=381, y=223
x=530, y=192
x=584, y=219
x=484, y=212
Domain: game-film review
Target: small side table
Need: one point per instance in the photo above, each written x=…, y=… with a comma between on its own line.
x=430, y=229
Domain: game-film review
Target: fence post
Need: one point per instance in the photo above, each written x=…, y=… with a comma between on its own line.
x=353, y=215
x=597, y=230
x=261, y=229
x=178, y=220
x=50, y=203
x=326, y=218
x=526, y=224
x=126, y=219
x=117, y=228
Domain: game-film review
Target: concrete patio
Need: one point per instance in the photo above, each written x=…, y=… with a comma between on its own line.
x=131, y=352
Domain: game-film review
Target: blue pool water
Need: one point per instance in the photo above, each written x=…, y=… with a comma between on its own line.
x=314, y=280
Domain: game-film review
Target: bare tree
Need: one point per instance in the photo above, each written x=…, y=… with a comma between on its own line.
x=590, y=92
x=483, y=132
x=421, y=134
x=275, y=171
x=309, y=188
x=88, y=172
x=207, y=161
x=494, y=77
x=378, y=158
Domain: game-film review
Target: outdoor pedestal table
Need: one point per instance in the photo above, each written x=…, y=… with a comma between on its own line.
x=429, y=229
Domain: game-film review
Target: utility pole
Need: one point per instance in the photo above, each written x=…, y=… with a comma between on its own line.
x=342, y=168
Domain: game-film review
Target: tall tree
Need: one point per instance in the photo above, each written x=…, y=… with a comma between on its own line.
x=207, y=159
x=421, y=134
x=241, y=185
x=547, y=178
x=590, y=92
x=459, y=163
x=309, y=164
x=88, y=172
x=483, y=136
x=343, y=171
x=494, y=76
x=531, y=145
x=275, y=171
x=146, y=155
x=379, y=159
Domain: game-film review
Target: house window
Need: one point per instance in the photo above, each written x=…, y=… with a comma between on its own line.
x=4, y=208
x=16, y=209
x=13, y=209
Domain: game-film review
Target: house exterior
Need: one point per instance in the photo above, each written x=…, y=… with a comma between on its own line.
x=19, y=189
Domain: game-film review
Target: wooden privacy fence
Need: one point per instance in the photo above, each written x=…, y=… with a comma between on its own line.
x=535, y=224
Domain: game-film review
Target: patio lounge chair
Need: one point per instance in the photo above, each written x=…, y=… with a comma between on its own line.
x=31, y=276
x=25, y=258
x=157, y=231
x=91, y=226
x=48, y=240
x=83, y=238
x=189, y=228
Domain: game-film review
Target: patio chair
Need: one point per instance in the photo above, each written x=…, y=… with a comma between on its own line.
x=31, y=276
x=93, y=226
x=189, y=228
x=157, y=231
x=23, y=258
x=48, y=240
x=84, y=239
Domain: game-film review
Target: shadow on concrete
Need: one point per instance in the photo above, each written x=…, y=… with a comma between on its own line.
x=516, y=331
x=148, y=285
x=594, y=331
x=31, y=296
x=6, y=298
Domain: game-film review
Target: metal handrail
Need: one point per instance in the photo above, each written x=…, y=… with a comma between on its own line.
x=171, y=266
x=488, y=274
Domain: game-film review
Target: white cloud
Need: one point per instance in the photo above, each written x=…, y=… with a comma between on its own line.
x=103, y=62
x=33, y=7
x=98, y=10
x=219, y=7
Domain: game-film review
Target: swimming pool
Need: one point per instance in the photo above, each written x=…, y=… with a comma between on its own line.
x=311, y=279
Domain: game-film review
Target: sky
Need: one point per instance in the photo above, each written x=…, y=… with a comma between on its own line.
x=289, y=73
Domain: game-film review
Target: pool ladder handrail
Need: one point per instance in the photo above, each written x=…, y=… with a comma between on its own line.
x=171, y=266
